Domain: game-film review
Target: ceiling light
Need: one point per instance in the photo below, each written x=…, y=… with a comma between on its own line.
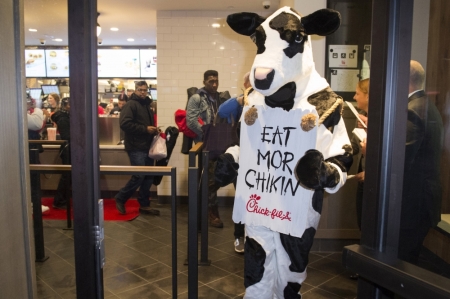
x=130, y=39
x=32, y=30
x=57, y=39
x=99, y=29
x=114, y=29
x=215, y=25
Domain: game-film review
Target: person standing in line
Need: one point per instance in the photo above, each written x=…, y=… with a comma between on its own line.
x=138, y=124
x=422, y=189
x=62, y=119
x=362, y=100
x=36, y=122
x=232, y=111
x=205, y=104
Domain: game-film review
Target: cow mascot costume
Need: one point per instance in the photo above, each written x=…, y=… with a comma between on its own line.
x=293, y=147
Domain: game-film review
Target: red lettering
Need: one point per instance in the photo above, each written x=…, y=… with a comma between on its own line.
x=252, y=207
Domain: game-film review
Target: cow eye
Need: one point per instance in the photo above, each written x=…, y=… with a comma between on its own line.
x=298, y=38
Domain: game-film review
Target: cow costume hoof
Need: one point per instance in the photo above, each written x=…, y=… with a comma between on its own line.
x=250, y=116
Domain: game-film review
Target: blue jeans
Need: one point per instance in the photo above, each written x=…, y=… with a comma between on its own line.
x=143, y=182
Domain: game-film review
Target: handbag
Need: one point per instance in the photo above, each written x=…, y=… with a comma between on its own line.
x=158, y=149
x=218, y=137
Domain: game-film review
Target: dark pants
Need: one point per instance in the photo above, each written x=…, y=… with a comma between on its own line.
x=64, y=192
x=143, y=182
x=212, y=186
x=239, y=230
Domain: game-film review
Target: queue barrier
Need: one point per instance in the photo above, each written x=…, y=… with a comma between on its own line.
x=197, y=215
x=104, y=169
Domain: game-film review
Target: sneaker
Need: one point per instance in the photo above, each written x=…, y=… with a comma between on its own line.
x=239, y=245
x=149, y=211
x=120, y=207
x=45, y=209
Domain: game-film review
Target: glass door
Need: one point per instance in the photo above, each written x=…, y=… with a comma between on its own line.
x=406, y=196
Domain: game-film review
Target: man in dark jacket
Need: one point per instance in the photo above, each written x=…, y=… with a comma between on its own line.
x=205, y=104
x=422, y=190
x=137, y=121
x=62, y=119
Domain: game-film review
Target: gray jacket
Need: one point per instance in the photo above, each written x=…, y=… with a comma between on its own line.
x=198, y=107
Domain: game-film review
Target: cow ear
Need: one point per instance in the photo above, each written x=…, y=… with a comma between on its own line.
x=322, y=22
x=244, y=23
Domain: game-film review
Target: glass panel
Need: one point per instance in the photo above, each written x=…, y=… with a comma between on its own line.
x=47, y=81
x=425, y=222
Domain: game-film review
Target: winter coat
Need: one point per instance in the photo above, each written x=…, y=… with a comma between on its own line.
x=135, y=117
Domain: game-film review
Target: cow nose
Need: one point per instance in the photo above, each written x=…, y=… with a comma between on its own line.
x=263, y=77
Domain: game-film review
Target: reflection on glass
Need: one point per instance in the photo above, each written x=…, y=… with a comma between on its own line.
x=424, y=228
x=422, y=191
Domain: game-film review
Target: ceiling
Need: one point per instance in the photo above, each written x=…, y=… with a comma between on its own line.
x=135, y=18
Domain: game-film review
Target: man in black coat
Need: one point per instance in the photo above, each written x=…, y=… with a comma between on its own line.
x=138, y=123
x=62, y=119
x=422, y=190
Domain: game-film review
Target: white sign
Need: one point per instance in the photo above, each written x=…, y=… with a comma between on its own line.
x=35, y=63
x=344, y=80
x=343, y=56
x=57, y=63
x=267, y=192
x=148, y=63
x=118, y=63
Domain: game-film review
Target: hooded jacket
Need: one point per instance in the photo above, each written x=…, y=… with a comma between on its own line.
x=135, y=117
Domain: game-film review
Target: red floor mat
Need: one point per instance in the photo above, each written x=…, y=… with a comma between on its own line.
x=109, y=207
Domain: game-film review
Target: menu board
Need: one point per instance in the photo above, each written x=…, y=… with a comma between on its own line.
x=35, y=63
x=57, y=63
x=148, y=63
x=118, y=63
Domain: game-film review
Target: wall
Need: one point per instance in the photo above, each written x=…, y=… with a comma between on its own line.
x=187, y=46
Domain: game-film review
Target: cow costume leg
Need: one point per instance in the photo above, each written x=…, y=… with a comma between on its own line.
x=275, y=264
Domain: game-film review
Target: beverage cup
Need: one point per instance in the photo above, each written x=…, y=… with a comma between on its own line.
x=51, y=133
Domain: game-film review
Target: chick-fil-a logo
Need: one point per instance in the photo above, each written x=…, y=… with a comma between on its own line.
x=253, y=207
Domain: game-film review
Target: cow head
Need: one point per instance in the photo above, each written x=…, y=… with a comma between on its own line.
x=284, y=54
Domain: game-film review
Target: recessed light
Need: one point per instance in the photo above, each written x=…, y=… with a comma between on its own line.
x=130, y=39
x=114, y=29
x=32, y=30
x=215, y=25
x=57, y=39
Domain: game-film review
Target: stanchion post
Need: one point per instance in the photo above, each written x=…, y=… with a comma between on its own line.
x=173, y=178
x=192, y=232
x=204, y=212
x=37, y=210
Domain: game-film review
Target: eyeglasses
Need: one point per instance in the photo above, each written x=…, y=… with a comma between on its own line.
x=141, y=90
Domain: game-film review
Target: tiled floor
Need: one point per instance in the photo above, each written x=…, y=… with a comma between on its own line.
x=138, y=262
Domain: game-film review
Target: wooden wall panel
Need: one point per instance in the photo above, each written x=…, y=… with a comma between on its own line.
x=438, y=82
